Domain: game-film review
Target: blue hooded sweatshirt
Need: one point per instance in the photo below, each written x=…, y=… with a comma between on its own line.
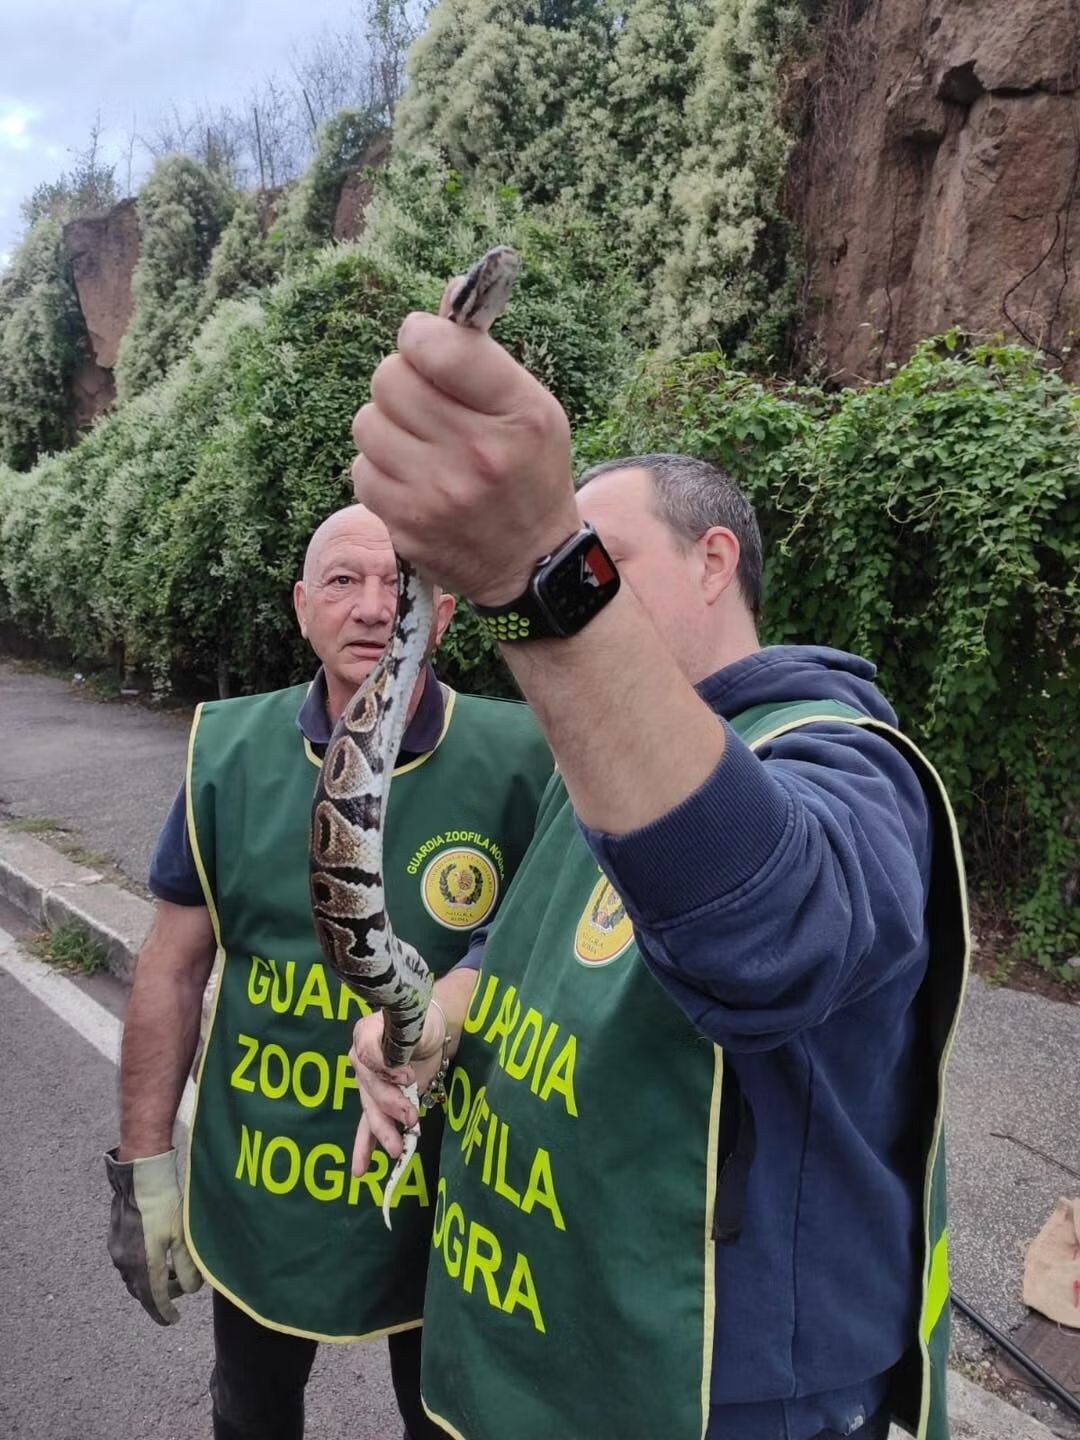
x=782, y=908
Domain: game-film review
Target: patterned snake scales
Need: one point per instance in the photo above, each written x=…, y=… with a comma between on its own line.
x=348, y=811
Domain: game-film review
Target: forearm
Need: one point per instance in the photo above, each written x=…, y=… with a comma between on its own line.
x=611, y=701
x=161, y=1032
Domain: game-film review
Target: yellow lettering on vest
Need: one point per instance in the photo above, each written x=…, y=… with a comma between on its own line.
x=278, y=1145
x=489, y=1150
x=477, y=1014
x=505, y=1020
x=349, y=999
x=515, y=1014
x=413, y=1182
x=332, y=1184
x=485, y=1265
x=315, y=993
x=451, y=1246
x=517, y=1065
x=371, y=1179
x=480, y=1111
x=561, y=1076
x=344, y=1081
x=311, y=1098
x=549, y=1040
x=541, y=1189
x=281, y=991
x=460, y=1086
x=247, y=1166
x=440, y=1211
x=276, y=1090
x=502, y=1185
x=521, y=1291
x=251, y=1048
x=258, y=980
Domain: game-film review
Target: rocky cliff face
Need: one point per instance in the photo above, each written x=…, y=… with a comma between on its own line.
x=941, y=183
x=102, y=251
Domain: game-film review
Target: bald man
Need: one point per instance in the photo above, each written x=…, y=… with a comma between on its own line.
x=293, y=1245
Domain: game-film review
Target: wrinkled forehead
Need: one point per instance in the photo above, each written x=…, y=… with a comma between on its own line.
x=353, y=535
x=359, y=554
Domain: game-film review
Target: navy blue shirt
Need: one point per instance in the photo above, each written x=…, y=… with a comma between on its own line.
x=173, y=875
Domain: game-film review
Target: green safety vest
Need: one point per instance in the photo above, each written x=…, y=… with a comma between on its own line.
x=571, y=1293
x=274, y=1218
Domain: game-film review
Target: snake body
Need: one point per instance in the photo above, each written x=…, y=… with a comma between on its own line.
x=349, y=809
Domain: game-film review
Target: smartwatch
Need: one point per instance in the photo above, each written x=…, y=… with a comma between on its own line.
x=566, y=589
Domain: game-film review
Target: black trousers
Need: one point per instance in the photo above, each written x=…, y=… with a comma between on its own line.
x=876, y=1428
x=259, y=1377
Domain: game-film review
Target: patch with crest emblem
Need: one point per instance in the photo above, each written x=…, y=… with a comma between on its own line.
x=459, y=888
x=605, y=930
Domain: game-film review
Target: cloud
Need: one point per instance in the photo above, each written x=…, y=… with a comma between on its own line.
x=129, y=61
x=14, y=123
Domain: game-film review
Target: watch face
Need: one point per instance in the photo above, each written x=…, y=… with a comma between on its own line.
x=577, y=582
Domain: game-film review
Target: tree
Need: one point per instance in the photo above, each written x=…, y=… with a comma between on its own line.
x=503, y=89
x=41, y=335
x=634, y=131
x=729, y=260
x=183, y=209
x=86, y=189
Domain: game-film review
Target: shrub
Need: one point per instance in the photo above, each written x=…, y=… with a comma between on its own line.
x=42, y=335
x=183, y=209
x=243, y=260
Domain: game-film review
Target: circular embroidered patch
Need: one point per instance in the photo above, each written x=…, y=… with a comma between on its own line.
x=459, y=888
x=605, y=929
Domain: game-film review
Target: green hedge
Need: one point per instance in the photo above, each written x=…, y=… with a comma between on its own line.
x=931, y=523
x=167, y=541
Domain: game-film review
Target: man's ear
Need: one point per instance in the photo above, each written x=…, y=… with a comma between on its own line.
x=719, y=549
x=445, y=605
x=299, y=603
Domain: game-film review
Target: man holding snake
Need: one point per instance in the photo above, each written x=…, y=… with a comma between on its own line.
x=296, y=1249
x=692, y=1180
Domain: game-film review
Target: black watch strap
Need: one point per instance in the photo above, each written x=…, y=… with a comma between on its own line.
x=566, y=589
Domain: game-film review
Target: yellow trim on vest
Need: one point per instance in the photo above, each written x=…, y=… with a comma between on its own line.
x=710, y=1241
x=449, y=700
x=193, y=839
x=220, y=963
x=438, y=1419
x=937, y=1290
x=935, y=1286
x=205, y=1270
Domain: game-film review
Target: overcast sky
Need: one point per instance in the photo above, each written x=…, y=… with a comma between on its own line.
x=63, y=61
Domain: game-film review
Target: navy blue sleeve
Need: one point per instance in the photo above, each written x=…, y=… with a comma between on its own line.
x=474, y=956
x=173, y=875
x=792, y=882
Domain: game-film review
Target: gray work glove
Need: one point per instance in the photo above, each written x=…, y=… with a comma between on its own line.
x=146, y=1226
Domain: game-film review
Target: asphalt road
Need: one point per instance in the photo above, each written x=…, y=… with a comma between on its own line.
x=79, y=1359
x=107, y=771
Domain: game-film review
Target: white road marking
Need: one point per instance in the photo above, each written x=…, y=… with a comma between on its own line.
x=92, y=1021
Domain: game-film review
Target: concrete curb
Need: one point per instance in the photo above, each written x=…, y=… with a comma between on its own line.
x=52, y=890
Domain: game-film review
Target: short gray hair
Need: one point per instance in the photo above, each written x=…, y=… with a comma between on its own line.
x=692, y=496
